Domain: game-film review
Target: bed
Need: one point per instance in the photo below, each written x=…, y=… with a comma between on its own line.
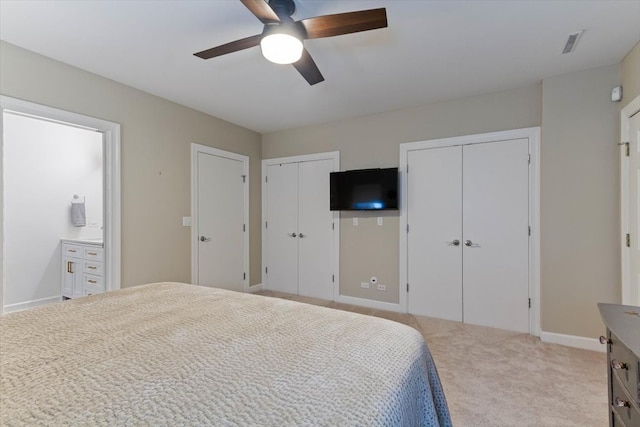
x=168, y=354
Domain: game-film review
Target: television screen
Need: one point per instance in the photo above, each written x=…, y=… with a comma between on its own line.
x=363, y=190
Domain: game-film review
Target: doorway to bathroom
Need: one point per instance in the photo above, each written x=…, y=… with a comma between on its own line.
x=60, y=205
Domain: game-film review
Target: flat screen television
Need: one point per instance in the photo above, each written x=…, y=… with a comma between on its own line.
x=364, y=190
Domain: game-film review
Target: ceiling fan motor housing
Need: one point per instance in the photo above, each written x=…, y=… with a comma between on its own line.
x=283, y=8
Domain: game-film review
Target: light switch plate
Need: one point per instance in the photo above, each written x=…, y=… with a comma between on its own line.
x=380, y=220
x=355, y=221
x=186, y=221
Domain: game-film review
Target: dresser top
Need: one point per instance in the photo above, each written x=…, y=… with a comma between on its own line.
x=96, y=241
x=624, y=322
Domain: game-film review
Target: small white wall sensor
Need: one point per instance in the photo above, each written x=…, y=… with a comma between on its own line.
x=616, y=94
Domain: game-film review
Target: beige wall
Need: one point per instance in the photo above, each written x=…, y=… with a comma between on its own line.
x=579, y=200
x=373, y=141
x=631, y=75
x=156, y=138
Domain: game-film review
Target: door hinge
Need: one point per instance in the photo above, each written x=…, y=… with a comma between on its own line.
x=407, y=228
x=266, y=270
x=529, y=302
x=529, y=158
x=266, y=224
x=407, y=168
x=407, y=287
x=244, y=228
x=628, y=240
x=266, y=179
x=333, y=278
x=244, y=178
x=244, y=276
x=529, y=230
x=626, y=148
x=333, y=226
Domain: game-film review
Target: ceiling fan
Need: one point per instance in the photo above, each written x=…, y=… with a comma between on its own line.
x=281, y=39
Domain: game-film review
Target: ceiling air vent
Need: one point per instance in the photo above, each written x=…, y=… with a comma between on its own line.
x=572, y=41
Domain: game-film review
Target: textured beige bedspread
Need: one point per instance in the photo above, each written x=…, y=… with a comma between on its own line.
x=176, y=354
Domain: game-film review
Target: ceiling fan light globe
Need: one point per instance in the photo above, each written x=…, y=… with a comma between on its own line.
x=281, y=48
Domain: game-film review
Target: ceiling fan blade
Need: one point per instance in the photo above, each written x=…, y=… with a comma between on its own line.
x=262, y=11
x=308, y=68
x=344, y=23
x=230, y=47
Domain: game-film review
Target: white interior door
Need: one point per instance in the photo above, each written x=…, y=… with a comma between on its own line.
x=282, y=227
x=496, y=234
x=434, y=198
x=315, y=235
x=220, y=222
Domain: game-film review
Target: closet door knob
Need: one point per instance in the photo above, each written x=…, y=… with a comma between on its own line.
x=301, y=235
x=470, y=244
x=454, y=243
x=292, y=234
x=616, y=364
x=604, y=340
x=204, y=239
x=619, y=403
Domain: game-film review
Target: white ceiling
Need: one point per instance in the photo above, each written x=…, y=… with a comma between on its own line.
x=431, y=51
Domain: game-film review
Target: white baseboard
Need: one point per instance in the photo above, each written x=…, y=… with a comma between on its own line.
x=573, y=341
x=30, y=304
x=255, y=288
x=362, y=302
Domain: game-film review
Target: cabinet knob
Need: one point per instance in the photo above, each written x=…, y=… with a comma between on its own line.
x=604, y=340
x=616, y=364
x=619, y=403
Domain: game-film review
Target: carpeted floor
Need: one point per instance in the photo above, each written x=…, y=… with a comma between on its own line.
x=493, y=377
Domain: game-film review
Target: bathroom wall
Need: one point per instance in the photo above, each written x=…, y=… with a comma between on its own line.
x=44, y=165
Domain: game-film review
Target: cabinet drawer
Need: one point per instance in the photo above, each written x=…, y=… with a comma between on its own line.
x=624, y=365
x=92, y=290
x=629, y=414
x=93, y=253
x=92, y=267
x=75, y=251
x=89, y=280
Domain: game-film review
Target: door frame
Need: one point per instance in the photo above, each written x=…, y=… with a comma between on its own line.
x=330, y=155
x=533, y=135
x=111, y=173
x=630, y=296
x=199, y=148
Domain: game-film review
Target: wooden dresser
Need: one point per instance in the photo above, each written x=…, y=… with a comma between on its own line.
x=623, y=358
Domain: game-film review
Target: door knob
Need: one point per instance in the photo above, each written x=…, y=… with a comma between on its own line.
x=469, y=243
x=301, y=235
x=454, y=243
x=292, y=234
x=204, y=239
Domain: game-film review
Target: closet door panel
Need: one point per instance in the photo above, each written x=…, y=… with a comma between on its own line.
x=495, y=229
x=315, y=237
x=434, y=213
x=282, y=225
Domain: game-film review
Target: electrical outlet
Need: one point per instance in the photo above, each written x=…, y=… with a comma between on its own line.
x=364, y=285
x=382, y=287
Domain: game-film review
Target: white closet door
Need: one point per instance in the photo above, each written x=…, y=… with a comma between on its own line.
x=495, y=225
x=434, y=201
x=282, y=227
x=315, y=230
x=220, y=222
